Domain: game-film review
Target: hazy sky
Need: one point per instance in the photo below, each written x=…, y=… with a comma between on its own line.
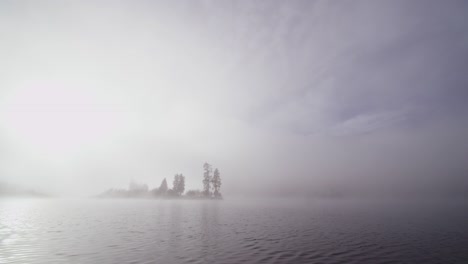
x=290, y=97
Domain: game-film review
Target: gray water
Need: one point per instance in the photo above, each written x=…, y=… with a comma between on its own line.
x=268, y=231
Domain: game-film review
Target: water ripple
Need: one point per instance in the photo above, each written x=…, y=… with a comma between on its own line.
x=49, y=231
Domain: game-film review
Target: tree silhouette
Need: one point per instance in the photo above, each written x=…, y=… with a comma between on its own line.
x=162, y=190
x=207, y=179
x=216, y=180
x=179, y=184
x=175, y=183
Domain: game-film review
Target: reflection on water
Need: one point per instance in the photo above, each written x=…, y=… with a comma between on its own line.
x=151, y=231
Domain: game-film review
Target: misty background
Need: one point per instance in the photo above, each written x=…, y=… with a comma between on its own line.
x=302, y=98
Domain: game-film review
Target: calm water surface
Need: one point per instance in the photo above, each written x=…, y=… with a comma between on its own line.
x=268, y=231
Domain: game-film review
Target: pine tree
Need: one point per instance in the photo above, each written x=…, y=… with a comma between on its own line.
x=162, y=190
x=179, y=184
x=181, y=188
x=207, y=180
x=175, y=183
x=216, y=180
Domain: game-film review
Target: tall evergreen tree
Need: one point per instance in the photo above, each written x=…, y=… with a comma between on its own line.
x=181, y=185
x=162, y=190
x=216, y=180
x=207, y=180
x=175, y=183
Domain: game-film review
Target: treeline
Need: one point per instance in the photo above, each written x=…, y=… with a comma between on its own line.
x=13, y=190
x=211, y=188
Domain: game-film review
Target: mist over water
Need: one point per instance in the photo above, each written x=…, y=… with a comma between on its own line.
x=196, y=131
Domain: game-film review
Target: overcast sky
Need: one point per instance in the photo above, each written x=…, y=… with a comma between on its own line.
x=286, y=97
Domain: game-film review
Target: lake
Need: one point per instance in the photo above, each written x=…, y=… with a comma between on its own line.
x=232, y=231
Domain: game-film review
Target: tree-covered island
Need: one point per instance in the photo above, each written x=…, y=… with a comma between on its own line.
x=211, y=188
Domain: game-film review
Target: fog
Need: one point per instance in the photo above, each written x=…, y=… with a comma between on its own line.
x=286, y=98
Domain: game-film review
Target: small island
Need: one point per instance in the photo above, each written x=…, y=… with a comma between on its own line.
x=211, y=188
